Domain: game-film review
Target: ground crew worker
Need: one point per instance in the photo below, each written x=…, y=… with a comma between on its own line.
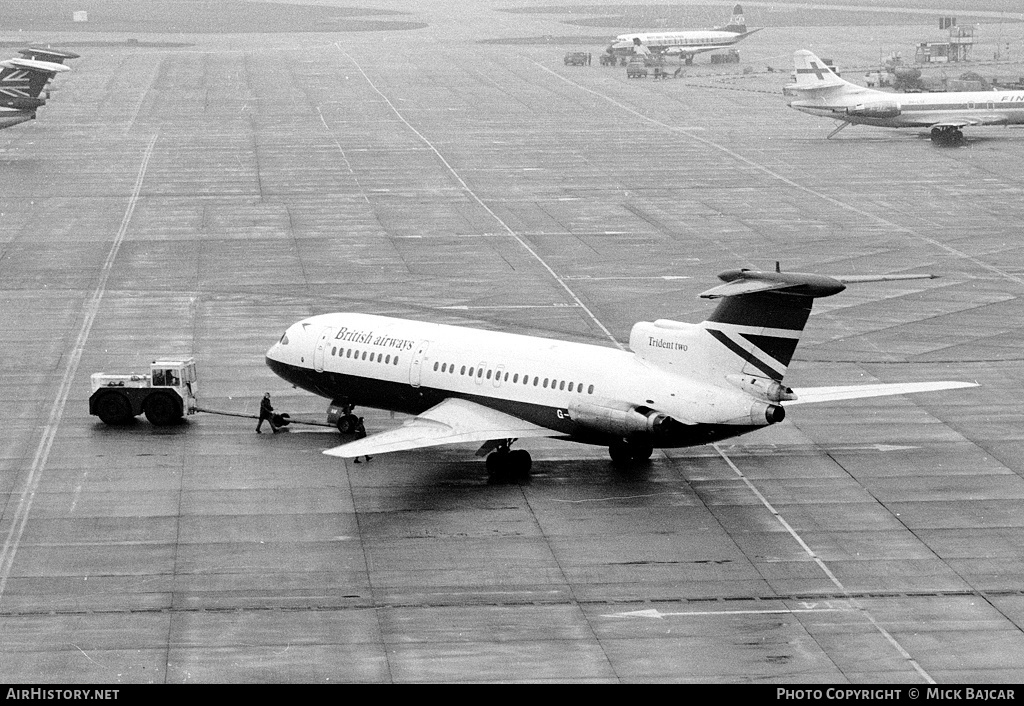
x=266, y=413
x=360, y=432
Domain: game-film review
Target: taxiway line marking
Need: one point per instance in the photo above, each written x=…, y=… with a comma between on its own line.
x=458, y=177
x=89, y=312
x=655, y=613
x=824, y=568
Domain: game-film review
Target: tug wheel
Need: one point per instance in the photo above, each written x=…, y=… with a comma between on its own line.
x=161, y=409
x=113, y=408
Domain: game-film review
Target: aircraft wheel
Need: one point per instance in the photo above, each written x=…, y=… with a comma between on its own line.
x=947, y=136
x=161, y=410
x=113, y=408
x=620, y=452
x=497, y=467
x=347, y=423
x=519, y=463
x=641, y=451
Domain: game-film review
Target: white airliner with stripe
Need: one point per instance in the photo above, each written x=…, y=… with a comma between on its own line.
x=819, y=91
x=685, y=43
x=679, y=384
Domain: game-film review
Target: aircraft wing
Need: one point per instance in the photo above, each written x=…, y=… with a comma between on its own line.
x=454, y=421
x=807, y=395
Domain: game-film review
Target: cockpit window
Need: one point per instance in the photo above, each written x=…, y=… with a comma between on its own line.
x=284, y=339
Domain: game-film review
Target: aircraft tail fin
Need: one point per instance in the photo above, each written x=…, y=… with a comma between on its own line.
x=761, y=316
x=737, y=23
x=812, y=73
x=22, y=81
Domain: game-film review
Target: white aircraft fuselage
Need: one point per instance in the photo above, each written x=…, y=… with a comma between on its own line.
x=410, y=366
x=682, y=42
x=884, y=109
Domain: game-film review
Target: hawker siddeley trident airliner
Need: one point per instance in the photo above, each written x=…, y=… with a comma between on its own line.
x=679, y=385
x=819, y=91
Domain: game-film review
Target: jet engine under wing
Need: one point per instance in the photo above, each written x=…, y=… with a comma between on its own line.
x=808, y=395
x=454, y=421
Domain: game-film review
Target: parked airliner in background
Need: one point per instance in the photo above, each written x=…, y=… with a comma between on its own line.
x=819, y=91
x=685, y=43
x=681, y=385
x=23, y=80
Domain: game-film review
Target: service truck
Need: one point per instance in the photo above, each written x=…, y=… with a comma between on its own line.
x=165, y=395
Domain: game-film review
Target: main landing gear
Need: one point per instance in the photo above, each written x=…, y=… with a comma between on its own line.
x=626, y=451
x=507, y=466
x=948, y=135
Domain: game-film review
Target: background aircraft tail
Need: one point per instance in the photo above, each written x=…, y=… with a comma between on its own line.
x=737, y=23
x=812, y=73
x=22, y=81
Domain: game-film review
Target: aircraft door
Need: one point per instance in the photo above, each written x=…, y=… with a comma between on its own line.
x=320, y=353
x=416, y=366
x=498, y=374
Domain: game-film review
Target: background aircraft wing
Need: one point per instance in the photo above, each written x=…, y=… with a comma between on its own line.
x=454, y=421
x=807, y=395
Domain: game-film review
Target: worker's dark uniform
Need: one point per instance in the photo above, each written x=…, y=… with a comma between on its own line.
x=360, y=432
x=266, y=413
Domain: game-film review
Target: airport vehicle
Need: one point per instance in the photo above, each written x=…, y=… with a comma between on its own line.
x=680, y=384
x=165, y=395
x=636, y=68
x=576, y=58
x=22, y=81
x=683, y=43
x=820, y=91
